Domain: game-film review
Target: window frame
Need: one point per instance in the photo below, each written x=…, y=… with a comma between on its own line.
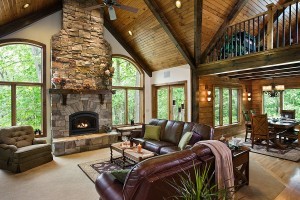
x=42, y=85
x=239, y=104
x=171, y=85
x=141, y=88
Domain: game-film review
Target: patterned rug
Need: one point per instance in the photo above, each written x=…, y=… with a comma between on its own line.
x=94, y=168
x=292, y=152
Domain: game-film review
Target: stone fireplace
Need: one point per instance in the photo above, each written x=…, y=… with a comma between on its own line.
x=80, y=57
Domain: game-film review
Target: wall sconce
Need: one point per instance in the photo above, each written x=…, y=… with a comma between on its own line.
x=248, y=95
x=208, y=93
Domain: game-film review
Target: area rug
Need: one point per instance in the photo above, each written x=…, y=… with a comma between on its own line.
x=258, y=178
x=291, y=153
x=94, y=168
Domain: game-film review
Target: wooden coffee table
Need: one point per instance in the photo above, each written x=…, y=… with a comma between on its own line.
x=129, y=155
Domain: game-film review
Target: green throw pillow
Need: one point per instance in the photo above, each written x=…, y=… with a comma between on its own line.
x=185, y=140
x=152, y=132
x=120, y=174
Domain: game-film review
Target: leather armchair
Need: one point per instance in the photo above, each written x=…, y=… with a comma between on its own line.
x=20, y=151
x=151, y=178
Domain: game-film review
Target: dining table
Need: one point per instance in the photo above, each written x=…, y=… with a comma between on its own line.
x=284, y=127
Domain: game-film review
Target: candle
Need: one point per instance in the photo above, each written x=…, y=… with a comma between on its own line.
x=182, y=106
x=139, y=148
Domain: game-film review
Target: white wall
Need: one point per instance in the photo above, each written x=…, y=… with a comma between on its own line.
x=180, y=73
x=43, y=30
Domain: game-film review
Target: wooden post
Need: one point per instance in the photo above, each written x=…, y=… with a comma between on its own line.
x=270, y=26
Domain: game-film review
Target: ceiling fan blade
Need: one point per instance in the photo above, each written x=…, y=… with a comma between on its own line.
x=112, y=13
x=128, y=8
x=94, y=7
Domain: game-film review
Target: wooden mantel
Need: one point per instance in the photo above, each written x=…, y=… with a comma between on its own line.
x=65, y=92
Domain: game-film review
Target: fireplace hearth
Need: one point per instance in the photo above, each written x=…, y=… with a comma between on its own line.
x=83, y=122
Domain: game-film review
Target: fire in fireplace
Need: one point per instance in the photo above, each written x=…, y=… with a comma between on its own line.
x=83, y=122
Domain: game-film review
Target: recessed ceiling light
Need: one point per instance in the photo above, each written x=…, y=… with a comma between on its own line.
x=26, y=5
x=178, y=4
x=130, y=33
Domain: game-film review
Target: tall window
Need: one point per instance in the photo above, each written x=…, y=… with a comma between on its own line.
x=22, y=84
x=287, y=100
x=127, y=103
x=226, y=106
x=169, y=101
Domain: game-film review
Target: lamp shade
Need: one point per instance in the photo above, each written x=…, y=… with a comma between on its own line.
x=279, y=87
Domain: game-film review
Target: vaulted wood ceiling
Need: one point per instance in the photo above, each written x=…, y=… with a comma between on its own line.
x=163, y=35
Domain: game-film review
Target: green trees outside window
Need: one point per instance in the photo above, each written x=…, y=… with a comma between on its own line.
x=127, y=103
x=21, y=85
x=291, y=101
x=226, y=106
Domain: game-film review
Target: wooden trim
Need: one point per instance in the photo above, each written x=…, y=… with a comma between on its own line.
x=42, y=84
x=232, y=15
x=125, y=45
x=252, y=61
x=162, y=19
x=28, y=20
x=124, y=87
x=169, y=86
x=13, y=105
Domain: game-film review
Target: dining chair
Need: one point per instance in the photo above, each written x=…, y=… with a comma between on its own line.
x=260, y=129
x=247, y=119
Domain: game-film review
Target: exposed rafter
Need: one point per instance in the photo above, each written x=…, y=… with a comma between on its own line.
x=159, y=15
x=25, y=21
x=234, y=12
x=121, y=40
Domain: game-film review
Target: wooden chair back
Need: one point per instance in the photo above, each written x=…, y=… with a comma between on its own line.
x=288, y=114
x=259, y=124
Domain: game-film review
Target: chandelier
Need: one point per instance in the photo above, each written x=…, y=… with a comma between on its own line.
x=273, y=90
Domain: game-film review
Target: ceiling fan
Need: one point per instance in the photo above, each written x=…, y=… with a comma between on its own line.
x=111, y=5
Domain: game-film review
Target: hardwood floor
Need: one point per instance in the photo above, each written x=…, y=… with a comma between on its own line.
x=287, y=172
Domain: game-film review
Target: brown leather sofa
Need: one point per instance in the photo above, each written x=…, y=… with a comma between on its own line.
x=151, y=178
x=170, y=134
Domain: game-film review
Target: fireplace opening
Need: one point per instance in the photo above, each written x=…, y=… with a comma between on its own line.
x=83, y=122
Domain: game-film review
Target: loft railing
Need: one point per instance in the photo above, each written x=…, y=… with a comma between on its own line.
x=278, y=27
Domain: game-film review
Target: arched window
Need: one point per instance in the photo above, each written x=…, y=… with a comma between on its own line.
x=22, y=84
x=127, y=103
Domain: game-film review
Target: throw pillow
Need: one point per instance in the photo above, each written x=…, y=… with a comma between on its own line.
x=152, y=132
x=120, y=175
x=184, y=140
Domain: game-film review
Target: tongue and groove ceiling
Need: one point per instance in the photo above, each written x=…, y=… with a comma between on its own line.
x=150, y=43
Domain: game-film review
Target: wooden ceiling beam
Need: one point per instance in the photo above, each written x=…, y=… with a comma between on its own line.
x=232, y=15
x=266, y=75
x=252, y=61
x=198, y=8
x=277, y=69
x=271, y=77
x=125, y=45
x=161, y=18
x=28, y=20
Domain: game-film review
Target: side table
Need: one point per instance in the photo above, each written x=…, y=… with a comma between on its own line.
x=123, y=129
x=240, y=160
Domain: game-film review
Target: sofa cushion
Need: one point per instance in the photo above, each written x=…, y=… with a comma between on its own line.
x=120, y=174
x=173, y=132
x=152, y=132
x=201, y=132
x=188, y=127
x=170, y=149
x=159, y=122
x=154, y=146
x=20, y=136
x=185, y=140
x=32, y=150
